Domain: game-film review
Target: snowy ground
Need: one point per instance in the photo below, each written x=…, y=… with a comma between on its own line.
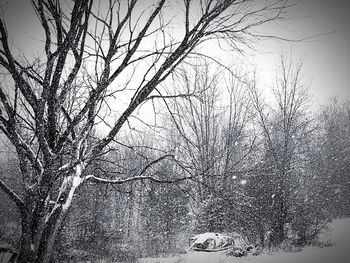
x=339, y=253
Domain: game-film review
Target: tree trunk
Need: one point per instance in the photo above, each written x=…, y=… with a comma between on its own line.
x=28, y=252
x=278, y=231
x=40, y=226
x=49, y=235
x=261, y=231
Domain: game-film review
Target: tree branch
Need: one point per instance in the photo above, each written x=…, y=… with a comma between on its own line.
x=136, y=178
x=139, y=177
x=12, y=195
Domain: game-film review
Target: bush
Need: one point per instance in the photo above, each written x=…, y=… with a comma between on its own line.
x=114, y=253
x=77, y=255
x=308, y=223
x=122, y=253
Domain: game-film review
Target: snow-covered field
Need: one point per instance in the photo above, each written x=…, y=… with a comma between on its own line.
x=339, y=253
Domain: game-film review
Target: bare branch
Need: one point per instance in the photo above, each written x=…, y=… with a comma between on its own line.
x=12, y=195
x=136, y=178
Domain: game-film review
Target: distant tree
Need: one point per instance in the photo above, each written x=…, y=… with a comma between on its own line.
x=197, y=120
x=261, y=189
x=214, y=143
x=165, y=214
x=332, y=166
x=285, y=127
x=91, y=56
x=9, y=216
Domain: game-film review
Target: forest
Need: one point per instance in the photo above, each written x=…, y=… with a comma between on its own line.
x=121, y=136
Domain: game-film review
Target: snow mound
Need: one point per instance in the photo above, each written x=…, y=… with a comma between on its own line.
x=339, y=253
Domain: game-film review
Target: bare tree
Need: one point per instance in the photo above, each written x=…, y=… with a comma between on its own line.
x=214, y=141
x=92, y=55
x=284, y=126
x=211, y=122
x=331, y=162
x=197, y=120
x=238, y=139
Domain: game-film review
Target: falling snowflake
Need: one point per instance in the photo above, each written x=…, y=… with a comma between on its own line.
x=243, y=182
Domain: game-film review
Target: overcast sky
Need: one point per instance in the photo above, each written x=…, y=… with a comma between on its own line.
x=327, y=58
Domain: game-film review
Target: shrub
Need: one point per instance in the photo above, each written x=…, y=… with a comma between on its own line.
x=122, y=253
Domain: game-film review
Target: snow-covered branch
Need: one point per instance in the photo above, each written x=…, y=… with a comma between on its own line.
x=141, y=176
x=135, y=178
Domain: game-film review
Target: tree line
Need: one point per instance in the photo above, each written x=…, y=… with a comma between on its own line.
x=272, y=170
x=90, y=165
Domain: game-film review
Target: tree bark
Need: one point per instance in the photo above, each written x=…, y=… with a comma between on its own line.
x=49, y=236
x=27, y=250
x=39, y=230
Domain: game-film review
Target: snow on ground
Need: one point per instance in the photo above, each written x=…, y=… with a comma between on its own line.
x=339, y=253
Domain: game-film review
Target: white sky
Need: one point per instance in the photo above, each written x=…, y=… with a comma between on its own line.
x=326, y=62
x=326, y=59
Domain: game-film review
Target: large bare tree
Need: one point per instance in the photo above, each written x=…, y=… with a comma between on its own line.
x=94, y=55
